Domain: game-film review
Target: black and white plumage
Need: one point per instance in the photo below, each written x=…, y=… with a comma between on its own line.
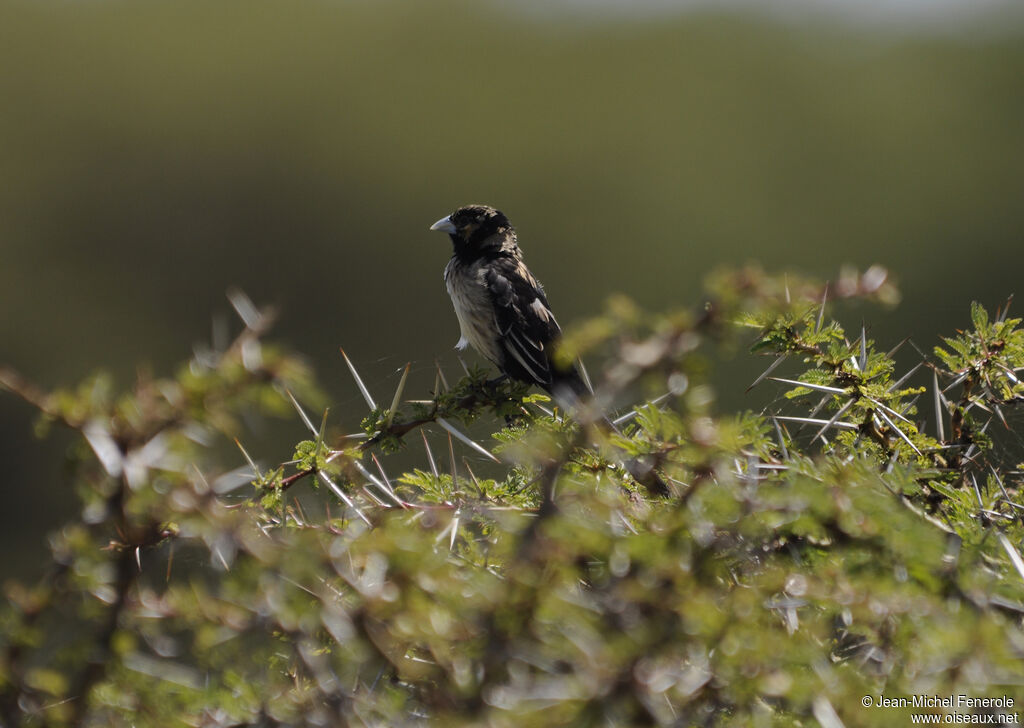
x=504, y=314
x=502, y=310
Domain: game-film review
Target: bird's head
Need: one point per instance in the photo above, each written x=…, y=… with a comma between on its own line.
x=478, y=229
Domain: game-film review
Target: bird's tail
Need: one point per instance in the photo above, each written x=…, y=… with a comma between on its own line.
x=569, y=385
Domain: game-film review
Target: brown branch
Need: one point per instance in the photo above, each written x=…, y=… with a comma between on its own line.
x=21, y=387
x=98, y=664
x=400, y=429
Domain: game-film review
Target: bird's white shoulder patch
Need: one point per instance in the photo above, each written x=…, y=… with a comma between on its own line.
x=542, y=311
x=462, y=343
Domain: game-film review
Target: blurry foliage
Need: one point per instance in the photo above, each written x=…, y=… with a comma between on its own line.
x=831, y=548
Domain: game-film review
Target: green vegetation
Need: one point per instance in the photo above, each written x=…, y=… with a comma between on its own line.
x=156, y=153
x=831, y=548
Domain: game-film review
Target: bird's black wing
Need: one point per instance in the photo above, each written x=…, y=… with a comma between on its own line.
x=526, y=326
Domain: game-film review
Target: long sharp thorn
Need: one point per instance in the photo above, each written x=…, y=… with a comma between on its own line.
x=999, y=412
x=376, y=499
x=1006, y=310
x=323, y=431
x=818, y=407
x=463, y=363
x=821, y=313
x=367, y=474
x=782, y=440
x=359, y=382
x=955, y=382
x=451, y=460
x=785, y=279
x=585, y=375
x=976, y=402
x=766, y=372
x=898, y=430
x=941, y=428
x=387, y=484
x=825, y=713
x=1009, y=372
x=835, y=418
x=440, y=375
x=547, y=411
x=430, y=455
x=476, y=446
x=105, y=447
x=201, y=484
x=863, y=348
x=302, y=513
x=380, y=469
x=977, y=492
x=1015, y=558
x=472, y=475
x=812, y=421
x=444, y=533
x=809, y=385
x=252, y=463
x=455, y=530
x=229, y=481
x=892, y=352
x=397, y=397
x=326, y=480
x=999, y=481
x=621, y=419
x=245, y=308
x=302, y=413
x=626, y=523
x=633, y=413
x=905, y=377
x=890, y=410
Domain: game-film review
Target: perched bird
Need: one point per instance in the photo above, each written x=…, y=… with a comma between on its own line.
x=504, y=314
x=502, y=310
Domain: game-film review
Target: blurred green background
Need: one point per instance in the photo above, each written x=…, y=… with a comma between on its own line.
x=154, y=154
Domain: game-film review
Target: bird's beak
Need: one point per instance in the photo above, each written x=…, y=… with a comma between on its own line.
x=444, y=225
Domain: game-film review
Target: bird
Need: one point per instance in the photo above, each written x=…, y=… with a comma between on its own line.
x=503, y=312
x=504, y=315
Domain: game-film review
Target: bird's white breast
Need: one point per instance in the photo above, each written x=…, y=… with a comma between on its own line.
x=472, y=302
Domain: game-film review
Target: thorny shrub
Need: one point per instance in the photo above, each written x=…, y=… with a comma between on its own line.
x=790, y=562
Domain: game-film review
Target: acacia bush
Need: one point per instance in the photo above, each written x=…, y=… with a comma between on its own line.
x=830, y=547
